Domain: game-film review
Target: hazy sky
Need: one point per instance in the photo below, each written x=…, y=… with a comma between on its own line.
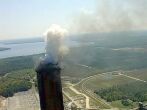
x=27, y=18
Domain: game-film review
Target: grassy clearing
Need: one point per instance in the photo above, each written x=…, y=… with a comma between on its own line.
x=120, y=105
x=140, y=74
x=106, y=81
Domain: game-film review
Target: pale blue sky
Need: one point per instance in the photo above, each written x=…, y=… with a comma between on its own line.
x=27, y=18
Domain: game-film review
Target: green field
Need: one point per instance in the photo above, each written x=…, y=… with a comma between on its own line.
x=122, y=107
x=141, y=74
x=106, y=81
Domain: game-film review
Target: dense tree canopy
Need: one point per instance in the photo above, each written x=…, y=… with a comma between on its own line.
x=136, y=92
x=16, y=81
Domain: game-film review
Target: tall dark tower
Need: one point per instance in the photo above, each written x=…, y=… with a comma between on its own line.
x=49, y=85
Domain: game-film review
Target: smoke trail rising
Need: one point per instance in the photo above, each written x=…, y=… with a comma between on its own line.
x=55, y=47
x=112, y=15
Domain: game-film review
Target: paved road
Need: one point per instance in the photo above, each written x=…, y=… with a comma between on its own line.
x=87, y=98
x=84, y=82
x=72, y=100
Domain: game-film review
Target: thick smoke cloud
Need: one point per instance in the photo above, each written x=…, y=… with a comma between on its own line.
x=113, y=15
x=54, y=38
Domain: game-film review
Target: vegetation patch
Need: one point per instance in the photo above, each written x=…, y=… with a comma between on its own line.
x=127, y=93
x=17, y=63
x=16, y=81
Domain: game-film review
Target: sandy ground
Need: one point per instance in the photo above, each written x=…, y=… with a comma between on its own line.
x=22, y=101
x=2, y=103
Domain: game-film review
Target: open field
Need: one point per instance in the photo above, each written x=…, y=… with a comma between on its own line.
x=106, y=81
x=122, y=107
x=140, y=74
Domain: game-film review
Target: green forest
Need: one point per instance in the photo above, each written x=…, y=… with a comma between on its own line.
x=18, y=63
x=132, y=92
x=16, y=81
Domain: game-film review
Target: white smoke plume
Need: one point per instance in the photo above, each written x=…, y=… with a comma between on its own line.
x=112, y=15
x=55, y=47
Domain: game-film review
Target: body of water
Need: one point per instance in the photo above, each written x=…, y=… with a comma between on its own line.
x=22, y=49
x=25, y=49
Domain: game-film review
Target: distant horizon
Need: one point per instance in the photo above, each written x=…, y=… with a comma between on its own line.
x=42, y=37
